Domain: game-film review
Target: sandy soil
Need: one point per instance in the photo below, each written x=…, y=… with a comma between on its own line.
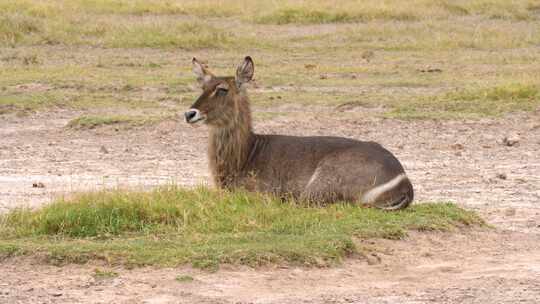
x=462, y=161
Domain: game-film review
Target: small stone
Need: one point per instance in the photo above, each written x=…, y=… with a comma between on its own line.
x=430, y=70
x=373, y=259
x=323, y=76
x=103, y=150
x=38, y=185
x=457, y=146
x=426, y=254
x=510, y=212
x=56, y=294
x=501, y=175
x=511, y=140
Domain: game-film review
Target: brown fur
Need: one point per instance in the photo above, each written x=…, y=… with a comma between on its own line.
x=316, y=169
x=230, y=144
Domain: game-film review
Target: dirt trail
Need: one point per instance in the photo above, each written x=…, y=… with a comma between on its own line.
x=461, y=161
x=476, y=267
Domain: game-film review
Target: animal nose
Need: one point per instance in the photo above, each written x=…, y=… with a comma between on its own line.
x=190, y=115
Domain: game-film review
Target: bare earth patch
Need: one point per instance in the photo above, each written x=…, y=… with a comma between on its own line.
x=463, y=161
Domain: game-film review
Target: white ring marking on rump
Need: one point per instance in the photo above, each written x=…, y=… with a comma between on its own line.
x=373, y=194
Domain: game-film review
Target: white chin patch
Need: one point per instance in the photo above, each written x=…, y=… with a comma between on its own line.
x=195, y=120
x=197, y=117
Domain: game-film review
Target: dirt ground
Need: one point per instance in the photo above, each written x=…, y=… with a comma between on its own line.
x=467, y=162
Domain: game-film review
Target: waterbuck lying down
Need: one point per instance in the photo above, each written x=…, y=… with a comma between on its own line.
x=314, y=169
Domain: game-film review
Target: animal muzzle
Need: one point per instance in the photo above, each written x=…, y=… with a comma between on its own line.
x=193, y=116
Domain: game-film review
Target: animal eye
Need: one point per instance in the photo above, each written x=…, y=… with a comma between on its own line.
x=221, y=91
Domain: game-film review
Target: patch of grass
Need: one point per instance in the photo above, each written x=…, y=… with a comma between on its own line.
x=184, y=279
x=173, y=226
x=26, y=103
x=19, y=28
x=245, y=8
x=296, y=15
x=512, y=92
x=91, y=122
x=472, y=103
x=305, y=15
x=485, y=39
x=104, y=274
x=430, y=35
x=13, y=28
x=9, y=250
x=316, y=12
x=31, y=102
x=182, y=35
x=30, y=59
x=161, y=7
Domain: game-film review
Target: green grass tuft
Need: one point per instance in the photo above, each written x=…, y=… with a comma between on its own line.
x=104, y=274
x=13, y=28
x=512, y=92
x=9, y=250
x=472, y=103
x=184, y=279
x=173, y=226
x=295, y=15
x=303, y=15
x=91, y=122
x=30, y=102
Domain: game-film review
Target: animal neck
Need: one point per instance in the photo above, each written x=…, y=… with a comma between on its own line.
x=230, y=147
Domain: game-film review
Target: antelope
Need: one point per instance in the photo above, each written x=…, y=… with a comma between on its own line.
x=314, y=169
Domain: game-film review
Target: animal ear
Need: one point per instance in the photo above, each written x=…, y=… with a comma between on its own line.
x=244, y=73
x=203, y=75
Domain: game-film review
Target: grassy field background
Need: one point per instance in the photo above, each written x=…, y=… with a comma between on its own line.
x=413, y=59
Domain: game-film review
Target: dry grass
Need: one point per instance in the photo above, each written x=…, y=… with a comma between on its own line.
x=19, y=29
x=351, y=10
x=472, y=103
x=123, y=23
x=307, y=12
x=306, y=52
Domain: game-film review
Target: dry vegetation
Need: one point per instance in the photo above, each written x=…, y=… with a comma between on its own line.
x=414, y=59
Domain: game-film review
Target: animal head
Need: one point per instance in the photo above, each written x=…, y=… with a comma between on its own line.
x=221, y=102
